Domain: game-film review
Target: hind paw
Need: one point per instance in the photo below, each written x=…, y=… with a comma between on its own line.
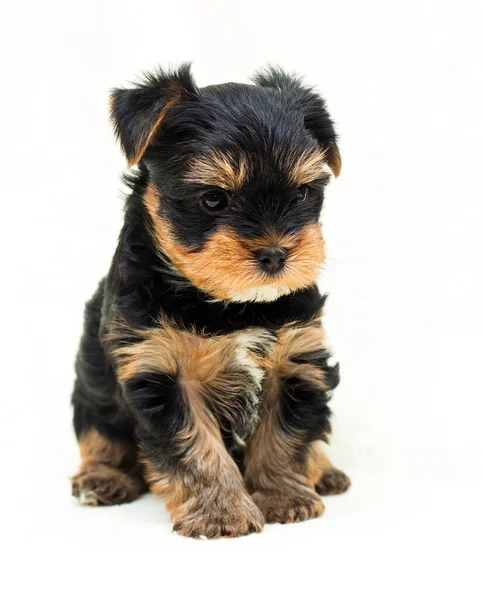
x=104, y=486
x=333, y=481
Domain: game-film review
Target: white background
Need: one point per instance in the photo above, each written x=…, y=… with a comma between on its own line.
x=403, y=226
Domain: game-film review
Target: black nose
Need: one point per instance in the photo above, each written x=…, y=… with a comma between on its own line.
x=271, y=259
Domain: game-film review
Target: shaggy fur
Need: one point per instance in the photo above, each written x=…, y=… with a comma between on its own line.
x=203, y=372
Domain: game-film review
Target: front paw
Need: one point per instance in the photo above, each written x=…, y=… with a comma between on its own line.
x=219, y=516
x=279, y=507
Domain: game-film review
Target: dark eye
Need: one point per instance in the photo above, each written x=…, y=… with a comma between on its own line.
x=214, y=201
x=300, y=193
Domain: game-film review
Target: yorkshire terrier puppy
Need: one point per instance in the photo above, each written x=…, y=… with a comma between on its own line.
x=203, y=373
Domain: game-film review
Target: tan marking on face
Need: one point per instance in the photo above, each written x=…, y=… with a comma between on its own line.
x=309, y=167
x=226, y=267
x=220, y=170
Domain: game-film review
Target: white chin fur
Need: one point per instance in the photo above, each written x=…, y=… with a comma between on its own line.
x=262, y=293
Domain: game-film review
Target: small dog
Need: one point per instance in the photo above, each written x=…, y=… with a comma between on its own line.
x=203, y=373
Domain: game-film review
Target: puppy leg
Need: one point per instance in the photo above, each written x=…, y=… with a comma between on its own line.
x=283, y=465
x=186, y=460
x=277, y=475
x=108, y=473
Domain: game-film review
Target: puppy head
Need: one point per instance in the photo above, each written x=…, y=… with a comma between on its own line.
x=236, y=178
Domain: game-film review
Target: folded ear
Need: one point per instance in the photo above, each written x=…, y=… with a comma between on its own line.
x=316, y=117
x=137, y=114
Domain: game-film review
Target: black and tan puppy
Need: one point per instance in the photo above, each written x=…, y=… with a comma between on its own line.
x=202, y=372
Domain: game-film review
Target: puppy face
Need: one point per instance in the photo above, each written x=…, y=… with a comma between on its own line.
x=236, y=179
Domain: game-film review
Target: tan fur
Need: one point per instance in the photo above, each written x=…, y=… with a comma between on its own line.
x=97, y=448
x=282, y=487
x=109, y=473
x=204, y=453
x=206, y=495
x=293, y=341
x=217, y=369
x=317, y=462
x=145, y=143
x=220, y=170
x=308, y=167
x=146, y=140
x=279, y=487
x=198, y=360
x=327, y=479
x=333, y=159
x=226, y=264
x=230, y=173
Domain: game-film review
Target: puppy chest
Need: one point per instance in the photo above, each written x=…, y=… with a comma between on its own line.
x=225, y=372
